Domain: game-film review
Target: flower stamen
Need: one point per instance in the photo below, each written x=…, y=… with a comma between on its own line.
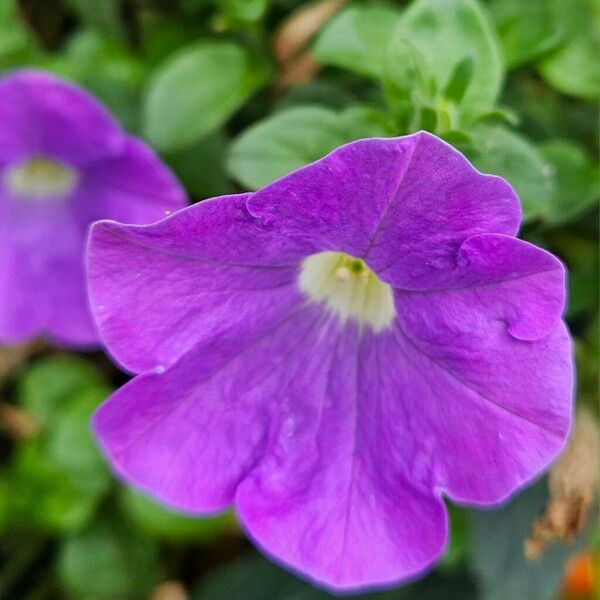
x=41, y=178
x=349, y=288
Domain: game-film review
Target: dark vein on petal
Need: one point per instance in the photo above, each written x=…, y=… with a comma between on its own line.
x=192, y=258
x=474, y=286
x=353, y=465
x=385, y=213
x=458, y=379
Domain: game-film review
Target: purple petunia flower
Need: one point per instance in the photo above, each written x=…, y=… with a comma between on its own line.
x=335, y=353
x=64, y=162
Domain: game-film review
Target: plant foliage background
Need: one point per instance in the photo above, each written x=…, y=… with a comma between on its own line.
x=233, y=94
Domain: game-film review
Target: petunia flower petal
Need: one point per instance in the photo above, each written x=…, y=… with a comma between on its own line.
x=132, y=187
x=42, y=290
x=491, y=416
x=227, y=390
x=342, y=495
x=478, y=351
x=405, y=204
x=495, y=277
x=192, y=278
x=42, y=115
x=292, y=426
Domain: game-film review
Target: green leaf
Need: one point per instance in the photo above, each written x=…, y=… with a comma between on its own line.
x=574, y=68
x=527, y=30
x=428, y=119
x=497, y=551
x=544, y=114
x=462, y=140
x=324, y=91
x=361, y=121
x=405, y=82
x=459, y=80
x=197, y=90
x=583, y=288
x=8, y=13
x=252, y=577
x=357, y=39
x=447, y=33
x=52, y=383
x=108, y=69
x=458, y=544
x=156, y=520
x=498, y=115
x=580, y=253
x=58, y=477
x=201, y=167
x=587, y=354
x=162, y=36
x=108, y=560
x=595, y=541
x=295, y=137
x=22, y=552
x=503, y=152
x=43, y=496
x=4, y=502
x=70, y=446
x=577, y=179
x=16, y=46
x=245, y=10
x=102, y=15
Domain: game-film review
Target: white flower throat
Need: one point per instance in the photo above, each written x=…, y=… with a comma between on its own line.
x=349, y=289
x=41, y=178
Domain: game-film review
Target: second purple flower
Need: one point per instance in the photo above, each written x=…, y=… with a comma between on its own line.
x=64, y=163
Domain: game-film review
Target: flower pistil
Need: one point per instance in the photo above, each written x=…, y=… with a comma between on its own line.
x=349, y=288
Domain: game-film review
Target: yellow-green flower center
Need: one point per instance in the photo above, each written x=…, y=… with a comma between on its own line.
x=349, y=289
x=41, y=178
